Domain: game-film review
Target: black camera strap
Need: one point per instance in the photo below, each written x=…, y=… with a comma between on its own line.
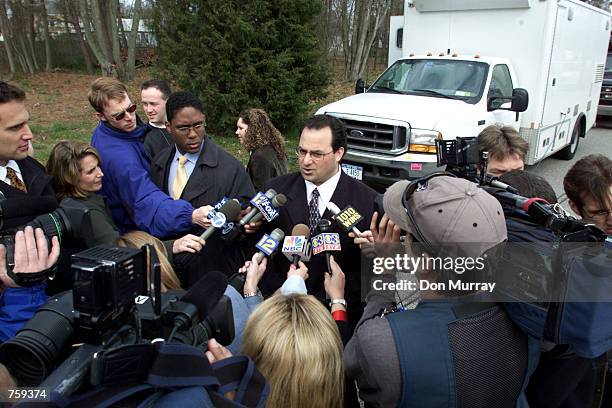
x=171, y=366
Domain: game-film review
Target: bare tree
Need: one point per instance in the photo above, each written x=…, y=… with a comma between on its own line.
x=367, y=20
x=71, y=13
x=131, y=59
x=8, y=37
x=45, y=26
x=96, y=40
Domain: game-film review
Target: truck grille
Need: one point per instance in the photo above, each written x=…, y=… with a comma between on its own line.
x=377, y=137
x=606, y=95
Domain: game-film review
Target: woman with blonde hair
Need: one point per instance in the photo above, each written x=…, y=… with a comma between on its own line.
x=265, y=144
x=295, y=343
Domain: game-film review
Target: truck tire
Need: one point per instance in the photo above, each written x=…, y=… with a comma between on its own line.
x=570, y=150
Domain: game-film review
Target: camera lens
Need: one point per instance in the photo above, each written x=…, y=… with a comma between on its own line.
x=32, y=354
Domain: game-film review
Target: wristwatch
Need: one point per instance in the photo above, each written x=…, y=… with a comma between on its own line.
x=337, y=302
x=251, y=294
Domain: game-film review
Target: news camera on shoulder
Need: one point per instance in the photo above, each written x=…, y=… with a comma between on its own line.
x=115, y=314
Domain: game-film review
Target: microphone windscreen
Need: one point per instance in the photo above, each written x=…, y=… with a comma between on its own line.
x=333, y=208
x=277, y=234
x=231, y=209
x=301, y=230
x=206, y=292
x=279, y=200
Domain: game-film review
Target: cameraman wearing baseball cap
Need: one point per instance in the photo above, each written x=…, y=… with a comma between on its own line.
x=449, y=351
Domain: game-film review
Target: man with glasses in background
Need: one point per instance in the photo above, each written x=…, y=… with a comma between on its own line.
x=136, y=203
x=588, y=185
x=320, y=180
x=195, y=169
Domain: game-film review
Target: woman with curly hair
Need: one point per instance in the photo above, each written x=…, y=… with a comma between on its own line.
x=266, y=146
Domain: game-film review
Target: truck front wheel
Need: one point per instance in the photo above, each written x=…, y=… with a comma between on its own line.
x=569, y=151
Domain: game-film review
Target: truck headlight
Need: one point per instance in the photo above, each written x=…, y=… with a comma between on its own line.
x=423, y=141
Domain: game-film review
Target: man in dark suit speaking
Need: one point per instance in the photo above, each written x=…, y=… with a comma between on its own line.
x=319, y=181
x=195, y=169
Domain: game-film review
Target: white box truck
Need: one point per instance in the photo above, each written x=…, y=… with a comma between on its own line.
x=461, y=62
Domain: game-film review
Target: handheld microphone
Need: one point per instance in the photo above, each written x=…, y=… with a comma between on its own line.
x=198, y=302
x=264, y=205
x=347, y=218
x=326, y=241
x=228, y=211
x=269, y=243
x=296, y=246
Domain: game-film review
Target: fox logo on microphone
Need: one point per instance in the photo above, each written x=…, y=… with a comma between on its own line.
x=265, y=206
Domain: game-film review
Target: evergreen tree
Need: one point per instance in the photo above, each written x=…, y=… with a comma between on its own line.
x=243, y=53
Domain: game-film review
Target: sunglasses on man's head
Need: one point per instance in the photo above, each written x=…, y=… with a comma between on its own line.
x=121, y=115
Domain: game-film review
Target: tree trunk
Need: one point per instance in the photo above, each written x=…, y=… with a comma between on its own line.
x=73, y=15
x=364, y=32
x=345, y=23
x=19, y=29
x=131, y=60
x=100, y=55
x=31, y=33
x=114, y=35
x=361, y=25
x=96, y=19
x=45, y=24
x=8, y=40
x=382, y=10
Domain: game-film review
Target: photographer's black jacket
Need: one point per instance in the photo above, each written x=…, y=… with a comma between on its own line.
x=38, y=184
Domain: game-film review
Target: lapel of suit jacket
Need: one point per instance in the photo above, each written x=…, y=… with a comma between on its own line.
x=297, y=205
x=34, y=179
x=160, y=169
x=202, y=178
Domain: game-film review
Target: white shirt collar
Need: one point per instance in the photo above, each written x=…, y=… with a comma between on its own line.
x=13, y=165
x=162, y=126
x=326, y=190
x=191, y=157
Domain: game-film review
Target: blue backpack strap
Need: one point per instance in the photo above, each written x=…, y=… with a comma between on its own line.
x=431, y=384
x=239, y=373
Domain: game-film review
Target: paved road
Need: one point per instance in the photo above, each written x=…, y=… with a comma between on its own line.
x=598, y=140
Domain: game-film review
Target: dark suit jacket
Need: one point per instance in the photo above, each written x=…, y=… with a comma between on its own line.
x=156, y=140
x=217, y=174
x=348, y=191
x=38, y=184
x=264, y=165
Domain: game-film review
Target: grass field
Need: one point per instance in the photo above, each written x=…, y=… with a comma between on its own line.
x=59, y=110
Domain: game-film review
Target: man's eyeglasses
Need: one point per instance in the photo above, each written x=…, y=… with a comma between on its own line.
x=185, y=129
x=121, y=115
x=314, y=155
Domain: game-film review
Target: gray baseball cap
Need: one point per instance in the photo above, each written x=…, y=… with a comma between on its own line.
x=449, y=210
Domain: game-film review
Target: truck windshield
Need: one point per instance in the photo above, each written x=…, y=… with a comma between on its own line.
x=454, y=79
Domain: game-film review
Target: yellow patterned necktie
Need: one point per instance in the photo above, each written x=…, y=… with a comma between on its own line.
x=15, y=180
x=180, y=179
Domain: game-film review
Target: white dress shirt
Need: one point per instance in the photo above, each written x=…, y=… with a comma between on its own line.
x=13, y=165
x=326, y=191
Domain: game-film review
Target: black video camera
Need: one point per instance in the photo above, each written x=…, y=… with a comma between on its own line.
x=70, y=223
x=108, y=310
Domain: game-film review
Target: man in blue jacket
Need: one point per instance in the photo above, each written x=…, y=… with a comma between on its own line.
x=135, y=201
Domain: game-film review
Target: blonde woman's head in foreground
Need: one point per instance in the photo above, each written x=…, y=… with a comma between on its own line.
x=296, y=345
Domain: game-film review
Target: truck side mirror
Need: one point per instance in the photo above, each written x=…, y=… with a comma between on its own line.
x=360, y=86
x=520, y=100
